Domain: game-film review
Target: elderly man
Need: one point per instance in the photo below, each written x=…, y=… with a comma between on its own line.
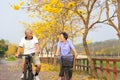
x=30, y=45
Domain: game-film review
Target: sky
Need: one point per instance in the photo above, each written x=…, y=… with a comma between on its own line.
x=12, y=30
x=10, y=27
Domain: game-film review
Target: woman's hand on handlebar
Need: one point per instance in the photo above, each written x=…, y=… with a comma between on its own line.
x=56, y=55
x=76, y=55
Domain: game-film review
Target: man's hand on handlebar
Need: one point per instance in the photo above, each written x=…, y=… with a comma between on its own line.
x=37, y=52
x=16, y=55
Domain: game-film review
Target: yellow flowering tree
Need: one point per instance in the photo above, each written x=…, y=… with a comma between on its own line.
x=54, y=20
x=11, y=49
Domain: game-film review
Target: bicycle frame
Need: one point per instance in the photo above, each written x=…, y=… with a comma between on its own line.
x=28, y=75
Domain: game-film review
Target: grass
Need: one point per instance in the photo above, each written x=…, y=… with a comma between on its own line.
x=11, y=58
x=104, y=64
x=111, y=64
x=118, y=65
x=111, y=67
x=47, y=67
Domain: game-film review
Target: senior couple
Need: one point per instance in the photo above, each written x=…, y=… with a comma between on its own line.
x=31, y=45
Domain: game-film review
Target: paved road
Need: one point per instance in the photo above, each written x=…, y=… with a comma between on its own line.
x=12, y=71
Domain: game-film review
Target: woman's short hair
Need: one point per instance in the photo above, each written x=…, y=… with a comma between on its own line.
x=65, y=35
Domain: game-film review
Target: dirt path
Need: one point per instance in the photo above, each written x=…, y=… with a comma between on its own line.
x=12, y=71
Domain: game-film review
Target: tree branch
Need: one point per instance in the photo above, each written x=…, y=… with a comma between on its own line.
x=89, y=12
x=102, y=21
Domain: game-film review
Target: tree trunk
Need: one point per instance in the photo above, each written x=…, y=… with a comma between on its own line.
x=118, y=34
x=55, y=58
x=118, y=16
x=92, y=68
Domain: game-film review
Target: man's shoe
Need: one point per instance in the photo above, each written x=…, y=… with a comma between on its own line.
x=37, y=77
x=22, y=76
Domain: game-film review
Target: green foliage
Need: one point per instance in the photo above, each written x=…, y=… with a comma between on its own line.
x=11, y=58
x=104, y=78
x=118, y=65
x=3, y=47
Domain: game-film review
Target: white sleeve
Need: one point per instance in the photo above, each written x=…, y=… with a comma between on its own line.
x=36, y=40
x=21, y=43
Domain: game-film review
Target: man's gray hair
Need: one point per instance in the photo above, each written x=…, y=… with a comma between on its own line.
x=28, y=29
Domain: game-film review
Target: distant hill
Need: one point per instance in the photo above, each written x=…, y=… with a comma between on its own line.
x=104, y=47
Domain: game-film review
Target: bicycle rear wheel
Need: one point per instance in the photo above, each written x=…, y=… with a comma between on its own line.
x=30, y=76
x=66, y=75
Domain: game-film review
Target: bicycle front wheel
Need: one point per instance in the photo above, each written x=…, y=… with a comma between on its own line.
x=25, y=72
x=30, y=74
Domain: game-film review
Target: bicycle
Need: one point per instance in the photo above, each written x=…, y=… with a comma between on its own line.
x=28, y=74
x=67, y=64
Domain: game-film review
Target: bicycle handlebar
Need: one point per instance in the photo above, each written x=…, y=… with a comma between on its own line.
x=62, y=55
x=25, y=55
